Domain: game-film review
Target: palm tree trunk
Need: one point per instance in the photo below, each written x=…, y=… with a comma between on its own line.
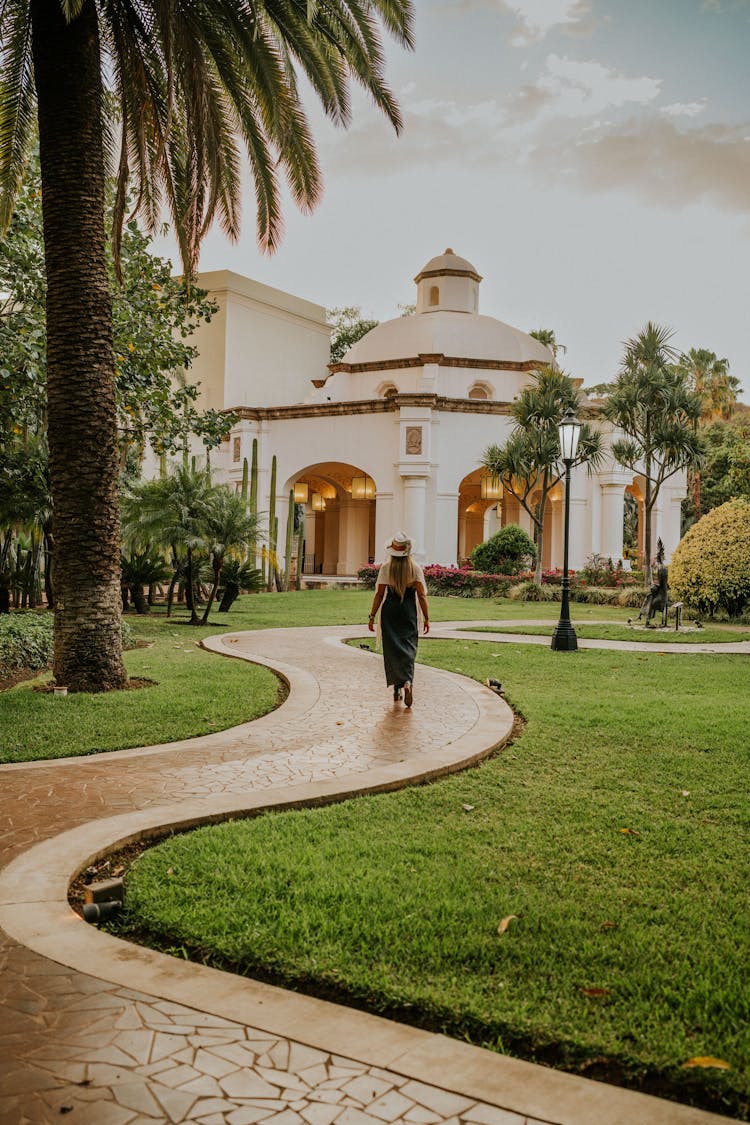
x=82, y=417
x=190, y=590
x=214, y=588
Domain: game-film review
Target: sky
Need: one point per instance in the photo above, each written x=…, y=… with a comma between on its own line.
x=591, y=158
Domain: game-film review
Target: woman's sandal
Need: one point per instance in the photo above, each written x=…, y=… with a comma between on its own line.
x=407, y=694
x=396, y=694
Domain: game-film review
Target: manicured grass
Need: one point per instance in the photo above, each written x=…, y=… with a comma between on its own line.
x=194, y=692
x=615, y=828
x=712, y=634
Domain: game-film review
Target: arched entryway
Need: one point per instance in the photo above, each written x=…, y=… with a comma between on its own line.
x=338, y=501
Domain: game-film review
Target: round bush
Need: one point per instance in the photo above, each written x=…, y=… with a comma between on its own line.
x=508, y=551
x=710, y=568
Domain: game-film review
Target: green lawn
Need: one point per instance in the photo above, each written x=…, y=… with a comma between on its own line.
x=711, y=634
x=615, y=828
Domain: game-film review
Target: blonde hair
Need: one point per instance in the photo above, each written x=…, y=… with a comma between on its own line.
x=401, y=574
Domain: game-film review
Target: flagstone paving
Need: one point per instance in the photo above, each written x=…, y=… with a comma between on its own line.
x=101, y=1032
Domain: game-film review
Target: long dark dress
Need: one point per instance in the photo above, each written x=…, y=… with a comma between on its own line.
x=399, y=631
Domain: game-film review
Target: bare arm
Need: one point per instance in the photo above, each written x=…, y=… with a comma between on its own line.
x=379, y=595
x=422, y=595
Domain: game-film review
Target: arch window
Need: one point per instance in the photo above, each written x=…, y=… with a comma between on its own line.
x=434, y=295
x=481, y=390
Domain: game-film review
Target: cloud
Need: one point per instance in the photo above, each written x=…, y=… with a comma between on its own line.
x=580, y=88
x=536, y=18
x=658, y=162
x=683, y=109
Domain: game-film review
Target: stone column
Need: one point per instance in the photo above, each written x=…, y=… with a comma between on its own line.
x=415, y=495
x=612, y=488
x=354, y=535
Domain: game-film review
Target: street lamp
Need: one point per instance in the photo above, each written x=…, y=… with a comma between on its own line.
x=564, y=637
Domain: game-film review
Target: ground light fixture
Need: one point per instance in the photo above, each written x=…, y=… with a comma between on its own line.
x=564, y=637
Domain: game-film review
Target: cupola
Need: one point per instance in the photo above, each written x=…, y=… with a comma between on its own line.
x=448, y=284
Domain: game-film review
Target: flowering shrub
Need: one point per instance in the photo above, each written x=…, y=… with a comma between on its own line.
x=599, y=571
x=451, y=580
x=710, y=568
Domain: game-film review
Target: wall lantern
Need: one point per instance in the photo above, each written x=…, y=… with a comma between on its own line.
x=301, y=492
x=490, y=488
x=363, y=488
x=318, y=502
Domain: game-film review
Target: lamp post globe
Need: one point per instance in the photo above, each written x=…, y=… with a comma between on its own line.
x=564, y=637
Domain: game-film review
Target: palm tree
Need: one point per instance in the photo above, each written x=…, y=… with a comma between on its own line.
x=546, y=336
x=174, y=512
x=191, y=83
x=658, y=414
x=229, y=527
x=529, y=464
x=709, y=377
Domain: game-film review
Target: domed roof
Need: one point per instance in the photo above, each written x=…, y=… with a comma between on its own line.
x=455, y=334
x=448, y=263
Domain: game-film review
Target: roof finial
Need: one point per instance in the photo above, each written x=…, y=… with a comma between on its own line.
x=448, y=250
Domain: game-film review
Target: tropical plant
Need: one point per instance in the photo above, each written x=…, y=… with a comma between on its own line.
x=710, y=568
x=508, y=551
x=173, y=512
x=141, y=569
x=650, y=402
x=190, y=83
x=237, y=576
x=529, y=464
x=546, y=336
x=229, y=527
x=709, y=377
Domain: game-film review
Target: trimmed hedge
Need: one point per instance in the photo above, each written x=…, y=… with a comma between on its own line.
x=26, y=640
x=456, y=581
x=710, y=568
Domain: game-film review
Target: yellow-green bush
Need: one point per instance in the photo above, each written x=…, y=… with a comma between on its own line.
x=710, y=568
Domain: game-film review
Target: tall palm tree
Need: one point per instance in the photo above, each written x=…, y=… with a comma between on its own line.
x=193, y=82
x=709, y=377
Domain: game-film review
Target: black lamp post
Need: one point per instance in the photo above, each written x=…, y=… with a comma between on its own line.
x=564, y=637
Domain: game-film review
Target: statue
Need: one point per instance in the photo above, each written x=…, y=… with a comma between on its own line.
x=658, y=598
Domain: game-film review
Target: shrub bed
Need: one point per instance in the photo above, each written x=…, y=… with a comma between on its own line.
x=26, y=640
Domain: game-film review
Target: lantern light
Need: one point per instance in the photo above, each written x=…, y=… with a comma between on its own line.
x=490, y=487
x=318, y=502
x=569, y=430
x=301, y=492
x=363, y=488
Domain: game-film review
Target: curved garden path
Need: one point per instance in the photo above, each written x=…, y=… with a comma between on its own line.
x=107, y=1033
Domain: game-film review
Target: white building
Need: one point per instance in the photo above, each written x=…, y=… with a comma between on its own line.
x=390, y=438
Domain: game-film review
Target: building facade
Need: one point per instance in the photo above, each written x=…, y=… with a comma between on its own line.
x=391, y=437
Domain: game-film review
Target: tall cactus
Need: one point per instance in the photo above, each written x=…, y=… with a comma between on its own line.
x=300, y=557
x=289, y=541
x=162, y=465
x=272, y=526
x=243, y=489
x=254, y=502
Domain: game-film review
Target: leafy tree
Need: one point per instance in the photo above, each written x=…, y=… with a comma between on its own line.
x=529, y=464
x=347, y=327
x=191, y=83
x=658, y=414
x=508, y=551
x=725, y=472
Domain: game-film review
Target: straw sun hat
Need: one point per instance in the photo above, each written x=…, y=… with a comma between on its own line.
x=399, y=546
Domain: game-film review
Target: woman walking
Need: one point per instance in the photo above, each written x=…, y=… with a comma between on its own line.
x=400, y=589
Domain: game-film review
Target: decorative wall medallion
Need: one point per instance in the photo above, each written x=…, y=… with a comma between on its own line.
x=236, y=449
x=414, y=440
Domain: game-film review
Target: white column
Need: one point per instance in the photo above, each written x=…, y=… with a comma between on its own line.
x=415, y=494
x=669, y=517
x=555, y=529
x=446, y=530
x=310, y=526
x=353, y=536
x=385, y=522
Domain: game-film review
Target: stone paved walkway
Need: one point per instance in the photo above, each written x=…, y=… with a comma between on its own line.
x=98, y=1031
